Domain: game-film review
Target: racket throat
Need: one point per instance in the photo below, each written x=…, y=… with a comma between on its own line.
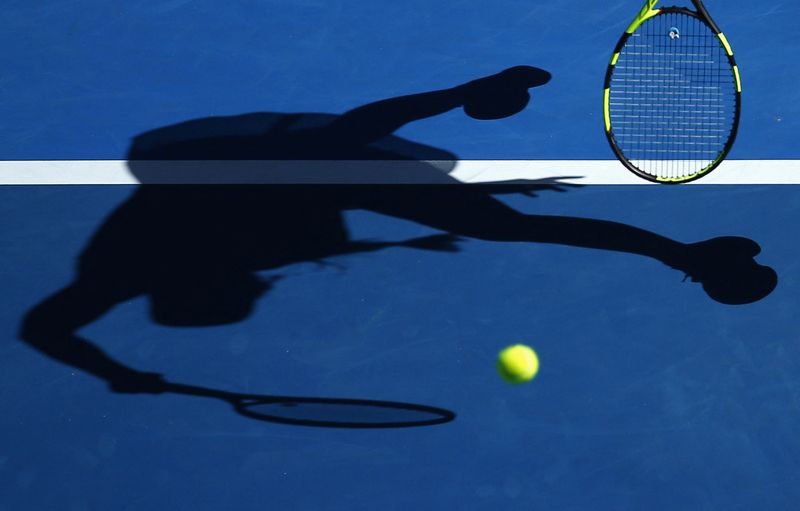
x=645, y=14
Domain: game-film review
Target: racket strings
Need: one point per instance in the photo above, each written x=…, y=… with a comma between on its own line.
x=673, y=97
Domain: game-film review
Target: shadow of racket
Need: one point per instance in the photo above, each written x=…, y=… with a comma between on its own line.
x=323, y=412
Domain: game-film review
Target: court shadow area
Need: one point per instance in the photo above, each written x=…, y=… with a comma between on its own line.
x=195, y=251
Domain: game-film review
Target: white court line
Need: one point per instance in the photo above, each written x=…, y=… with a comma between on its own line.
x=586, y=172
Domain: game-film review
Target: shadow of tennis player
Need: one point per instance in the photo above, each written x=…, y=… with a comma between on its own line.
x=194, y=250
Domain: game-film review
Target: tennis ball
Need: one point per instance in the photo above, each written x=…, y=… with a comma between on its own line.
x=517, y=364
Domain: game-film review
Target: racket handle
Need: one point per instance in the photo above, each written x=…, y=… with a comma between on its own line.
x=193, y=390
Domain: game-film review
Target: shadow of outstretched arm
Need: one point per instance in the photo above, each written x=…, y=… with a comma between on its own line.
x=725, y=266
x=493, y=97
x=48, y=329
x=51, y=328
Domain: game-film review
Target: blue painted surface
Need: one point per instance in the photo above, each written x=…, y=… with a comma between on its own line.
x=651, y=395
x=83, y=79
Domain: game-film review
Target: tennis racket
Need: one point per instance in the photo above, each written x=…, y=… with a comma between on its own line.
x=672, y=96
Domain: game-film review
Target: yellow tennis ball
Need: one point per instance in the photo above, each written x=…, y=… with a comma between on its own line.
x=517, y=364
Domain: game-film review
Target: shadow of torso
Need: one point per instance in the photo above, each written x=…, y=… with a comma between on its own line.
x=194, y=249
x=273, y=148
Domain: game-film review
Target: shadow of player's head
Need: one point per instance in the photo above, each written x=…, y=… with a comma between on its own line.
x=728, y=271
x=504, y=94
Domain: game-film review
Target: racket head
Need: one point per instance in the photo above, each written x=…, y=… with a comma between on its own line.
x=672, y=98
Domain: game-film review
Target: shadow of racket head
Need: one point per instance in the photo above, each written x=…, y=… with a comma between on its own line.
x=343, y=413
x=324, y=412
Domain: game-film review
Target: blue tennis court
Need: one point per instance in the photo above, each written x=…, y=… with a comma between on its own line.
x=326, y=320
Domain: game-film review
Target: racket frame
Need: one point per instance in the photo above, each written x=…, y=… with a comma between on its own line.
x=649, y=11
